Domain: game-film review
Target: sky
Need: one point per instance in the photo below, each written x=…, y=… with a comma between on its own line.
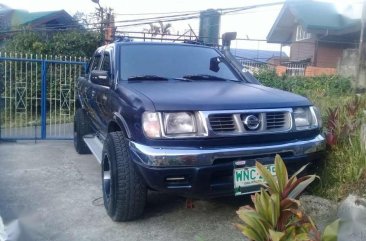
x=250, y=24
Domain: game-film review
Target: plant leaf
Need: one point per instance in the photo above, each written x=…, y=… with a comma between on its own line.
x=239, y=226
x=268, y=178
x=301, y=187
x=275, y=206
x=290, y=186
x=300, y=170
x=331, y=231
x=254, y=221
x=289, y=203
x=281, y=173
x=275, y=236
x=252, y=234
x=302, y=237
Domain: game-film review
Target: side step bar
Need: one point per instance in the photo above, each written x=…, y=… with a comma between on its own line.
x=95, y=146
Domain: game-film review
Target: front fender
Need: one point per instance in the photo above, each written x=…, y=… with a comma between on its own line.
x=121, y=122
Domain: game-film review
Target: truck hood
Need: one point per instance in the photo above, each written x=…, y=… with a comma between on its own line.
x=213, y=95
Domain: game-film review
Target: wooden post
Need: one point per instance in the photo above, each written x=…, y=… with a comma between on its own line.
x=280, y=55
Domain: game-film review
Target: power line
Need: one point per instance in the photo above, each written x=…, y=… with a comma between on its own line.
x=161, y=13
x=171, y=18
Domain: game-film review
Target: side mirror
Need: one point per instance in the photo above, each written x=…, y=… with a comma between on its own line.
x=214, y=64
x=100, y=77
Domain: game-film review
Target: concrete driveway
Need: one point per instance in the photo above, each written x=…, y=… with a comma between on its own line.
x=52, y=193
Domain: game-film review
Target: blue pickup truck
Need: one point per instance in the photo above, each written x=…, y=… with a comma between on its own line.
x=185, y=119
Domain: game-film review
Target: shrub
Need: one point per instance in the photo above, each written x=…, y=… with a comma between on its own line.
x=325, y=85
x=276, y=215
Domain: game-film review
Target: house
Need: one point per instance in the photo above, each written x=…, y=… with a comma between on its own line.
x=317, y=32
x=12, y=20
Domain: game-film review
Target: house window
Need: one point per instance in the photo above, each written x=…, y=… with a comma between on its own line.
x=301, y=34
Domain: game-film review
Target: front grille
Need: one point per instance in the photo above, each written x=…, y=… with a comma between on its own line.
x=250, y=122
x=222, y=123
x=276, y=120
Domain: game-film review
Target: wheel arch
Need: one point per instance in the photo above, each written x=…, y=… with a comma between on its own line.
x=119, y=124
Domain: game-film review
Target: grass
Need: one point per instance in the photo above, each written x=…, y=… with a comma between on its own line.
x=344, y=167
x=343, y=171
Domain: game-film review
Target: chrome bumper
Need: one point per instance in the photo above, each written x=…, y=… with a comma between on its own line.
x=182, y=156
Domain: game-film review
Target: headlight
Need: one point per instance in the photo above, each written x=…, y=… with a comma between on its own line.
x=151, y=124
x=307, y=118
x=173, y=125
x=317, y=118
x=179, y=123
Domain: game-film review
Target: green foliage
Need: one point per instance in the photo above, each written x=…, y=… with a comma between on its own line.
x=346, y=161
x=276, y=215
x=29, y=42
x=76, y=43
x=72, y=43
x=342, y=113
x=322, y=85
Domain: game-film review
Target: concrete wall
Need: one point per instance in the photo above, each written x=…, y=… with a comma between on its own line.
x=347, y=65
x=361, y=80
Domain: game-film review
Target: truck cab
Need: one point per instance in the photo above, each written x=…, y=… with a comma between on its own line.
x=184, y=119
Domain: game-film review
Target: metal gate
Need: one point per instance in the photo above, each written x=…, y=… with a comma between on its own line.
x=37, y=95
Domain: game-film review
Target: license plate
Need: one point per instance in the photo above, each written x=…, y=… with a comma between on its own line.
x=249, y=176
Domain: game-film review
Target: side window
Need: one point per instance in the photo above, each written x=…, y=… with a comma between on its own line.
x=95, y=63
x=106, y=64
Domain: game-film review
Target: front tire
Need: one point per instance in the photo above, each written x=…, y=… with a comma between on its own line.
x=124, y=190
x=81, y=128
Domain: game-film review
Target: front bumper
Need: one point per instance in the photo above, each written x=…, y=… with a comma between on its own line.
x=164, y=157
x=203, y=172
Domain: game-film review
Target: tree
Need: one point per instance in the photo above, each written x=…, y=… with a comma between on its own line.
x=76, y=41
x=153, y=30
x=27, y=41
x=164, y=28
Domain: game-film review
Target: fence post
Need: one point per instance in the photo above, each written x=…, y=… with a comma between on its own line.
x=43, y=99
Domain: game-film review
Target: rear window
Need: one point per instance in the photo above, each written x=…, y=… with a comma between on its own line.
x=170, y=61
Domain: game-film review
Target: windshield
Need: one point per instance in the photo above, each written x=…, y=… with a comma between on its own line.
x=170, y=61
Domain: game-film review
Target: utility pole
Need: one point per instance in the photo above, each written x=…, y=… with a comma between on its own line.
x=110, y=28
x=101, y=15
x=361, y=70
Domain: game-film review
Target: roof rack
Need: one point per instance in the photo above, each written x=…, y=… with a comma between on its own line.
x=122, y=38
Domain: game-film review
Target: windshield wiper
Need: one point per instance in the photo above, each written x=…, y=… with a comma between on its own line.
x=147, y=77
x=205, y=77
